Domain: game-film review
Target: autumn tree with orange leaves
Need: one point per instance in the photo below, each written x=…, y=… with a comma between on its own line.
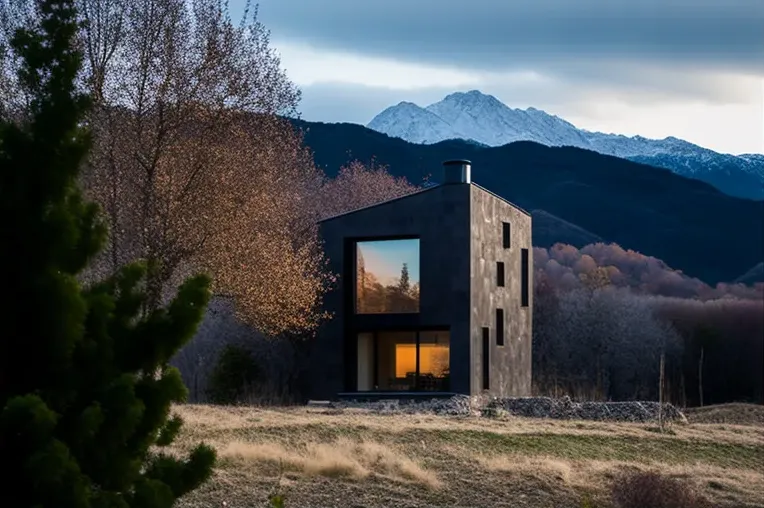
x=193, y=162
x=357, y=185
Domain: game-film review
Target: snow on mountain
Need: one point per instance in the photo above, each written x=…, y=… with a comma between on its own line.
x=413, y=124
x=487, y=120
x=753, y=157
x=483, y=118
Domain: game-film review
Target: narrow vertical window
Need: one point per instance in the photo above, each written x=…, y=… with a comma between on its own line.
x=505, y=238
x=524, y=278
x=500, y=327
x=500, y=274
x=486, y=357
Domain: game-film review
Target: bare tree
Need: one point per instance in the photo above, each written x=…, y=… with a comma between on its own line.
x=723, y=343
x=603, y=343
x=14, y=99
x=358, y=185
x=196, y=168
x=193, y=162
x=661, y=386
x=700, y=376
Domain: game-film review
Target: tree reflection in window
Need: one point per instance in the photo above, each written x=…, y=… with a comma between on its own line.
x=387, y=276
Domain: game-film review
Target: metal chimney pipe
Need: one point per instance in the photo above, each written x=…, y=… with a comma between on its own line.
x=456, y=171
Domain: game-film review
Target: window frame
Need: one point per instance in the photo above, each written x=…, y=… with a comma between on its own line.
x=417, y=331
x=351, y=271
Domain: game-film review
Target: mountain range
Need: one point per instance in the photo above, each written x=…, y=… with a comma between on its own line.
x=483, y=119
x=577, y=196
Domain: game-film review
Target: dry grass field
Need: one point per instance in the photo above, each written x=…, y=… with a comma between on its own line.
x=351, y=458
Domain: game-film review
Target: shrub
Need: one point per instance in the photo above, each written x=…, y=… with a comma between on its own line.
x=236, y=371
x=653, y=490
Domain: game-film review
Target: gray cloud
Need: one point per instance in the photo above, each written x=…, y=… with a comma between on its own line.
x=568, y=36
x=334, y=102
x=342, y=102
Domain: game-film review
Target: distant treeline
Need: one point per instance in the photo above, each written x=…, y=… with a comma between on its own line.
x=604, y=315
x=602, y=264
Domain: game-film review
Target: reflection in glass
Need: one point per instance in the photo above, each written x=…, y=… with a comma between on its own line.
x=434, y=361
x=387, y=276
x=365, y=362
x=396, y=361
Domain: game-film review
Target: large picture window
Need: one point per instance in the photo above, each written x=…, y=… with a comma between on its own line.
x=387, y=276
x=404, y=361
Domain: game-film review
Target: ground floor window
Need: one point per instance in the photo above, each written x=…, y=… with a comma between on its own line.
x=403, y=361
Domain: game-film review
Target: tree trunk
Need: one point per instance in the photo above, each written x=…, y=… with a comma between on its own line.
x=598, y=387
x=683, y=389
x=660, y=390
x=195, y=396
x=700, y=377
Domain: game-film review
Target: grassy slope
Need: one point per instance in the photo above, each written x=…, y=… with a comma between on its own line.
x=736, y=413
x=326, y=458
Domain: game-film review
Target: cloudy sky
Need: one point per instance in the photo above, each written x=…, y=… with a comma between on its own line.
x=688, y=68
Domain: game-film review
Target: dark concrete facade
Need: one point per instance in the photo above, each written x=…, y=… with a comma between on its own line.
x=459, y=227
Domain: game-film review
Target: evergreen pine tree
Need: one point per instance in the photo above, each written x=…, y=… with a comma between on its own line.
x=405, y=283
x=85, y=386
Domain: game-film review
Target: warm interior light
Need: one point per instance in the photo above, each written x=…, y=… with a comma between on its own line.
x=405, y=359
x=433, y=359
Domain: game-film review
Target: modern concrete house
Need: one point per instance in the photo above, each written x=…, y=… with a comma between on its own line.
x=435, y=296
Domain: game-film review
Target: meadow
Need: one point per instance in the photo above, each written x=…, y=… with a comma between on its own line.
x=353, y=458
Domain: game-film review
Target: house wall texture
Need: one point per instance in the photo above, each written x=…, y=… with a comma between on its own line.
x=510, y=364
x=439, y=216
x=460, y=240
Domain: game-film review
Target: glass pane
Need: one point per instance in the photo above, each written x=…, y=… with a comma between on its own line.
x=396, y=362
x=365, y=362
x=434, y=361
x=387, y=276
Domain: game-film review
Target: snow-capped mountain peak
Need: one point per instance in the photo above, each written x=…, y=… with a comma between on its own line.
x=408, y=121
x=483, y=118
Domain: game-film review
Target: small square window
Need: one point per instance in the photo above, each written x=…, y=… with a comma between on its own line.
x=505, y=235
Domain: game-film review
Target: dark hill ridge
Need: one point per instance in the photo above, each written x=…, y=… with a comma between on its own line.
x=687, y=223
x=548, y=230
x=755, y=274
